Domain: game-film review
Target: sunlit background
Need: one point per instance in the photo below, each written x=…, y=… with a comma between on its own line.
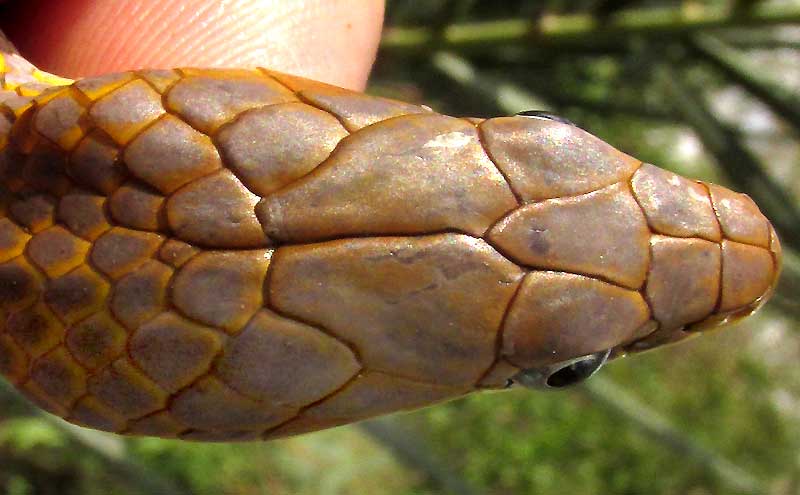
x=709, y=89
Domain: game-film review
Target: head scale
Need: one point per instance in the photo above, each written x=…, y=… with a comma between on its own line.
x=624, y=256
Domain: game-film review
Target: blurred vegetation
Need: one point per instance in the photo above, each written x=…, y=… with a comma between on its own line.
x=708, y=89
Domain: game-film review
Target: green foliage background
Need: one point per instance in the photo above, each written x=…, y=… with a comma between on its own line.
x=720, y=414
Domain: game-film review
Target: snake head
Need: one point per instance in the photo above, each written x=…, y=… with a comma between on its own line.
x=626, y=256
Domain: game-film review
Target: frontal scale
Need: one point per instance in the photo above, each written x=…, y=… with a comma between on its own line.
x=230, y=255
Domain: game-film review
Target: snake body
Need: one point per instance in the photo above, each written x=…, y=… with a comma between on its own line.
x=245, y=254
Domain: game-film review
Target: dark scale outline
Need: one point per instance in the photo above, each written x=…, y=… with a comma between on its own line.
x=722, y=237
x=103, y=208
x=601, y=278
x=352, y=346
x=118, y=163
x=181, y=71
x=84, y=385
x=29, y=357
x=25, y=356
x=499, y=335
x=517, y=196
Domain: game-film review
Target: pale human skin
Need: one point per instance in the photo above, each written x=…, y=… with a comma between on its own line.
x=334, y=41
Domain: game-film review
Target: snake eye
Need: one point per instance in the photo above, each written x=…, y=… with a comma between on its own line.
x=562, y=374
x=540, y=114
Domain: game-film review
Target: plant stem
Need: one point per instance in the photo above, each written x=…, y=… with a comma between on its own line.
x=614, y=397
x=584, y=29
x=740, y=69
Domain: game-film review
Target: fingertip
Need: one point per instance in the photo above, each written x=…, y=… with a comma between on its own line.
x=330, y=40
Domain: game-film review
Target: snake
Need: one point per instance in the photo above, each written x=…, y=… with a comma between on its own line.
x=243, y=254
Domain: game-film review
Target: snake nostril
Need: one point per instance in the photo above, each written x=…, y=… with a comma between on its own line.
x=562, y=374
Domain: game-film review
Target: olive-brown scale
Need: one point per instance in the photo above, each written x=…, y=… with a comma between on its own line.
x=235, y=254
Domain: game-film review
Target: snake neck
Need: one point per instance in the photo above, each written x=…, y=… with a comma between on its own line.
x=20, y=77
x=22, y=85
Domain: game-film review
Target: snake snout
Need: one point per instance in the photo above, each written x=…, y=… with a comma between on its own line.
x=696, y=284
x=749, y=279
x=562, y=374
